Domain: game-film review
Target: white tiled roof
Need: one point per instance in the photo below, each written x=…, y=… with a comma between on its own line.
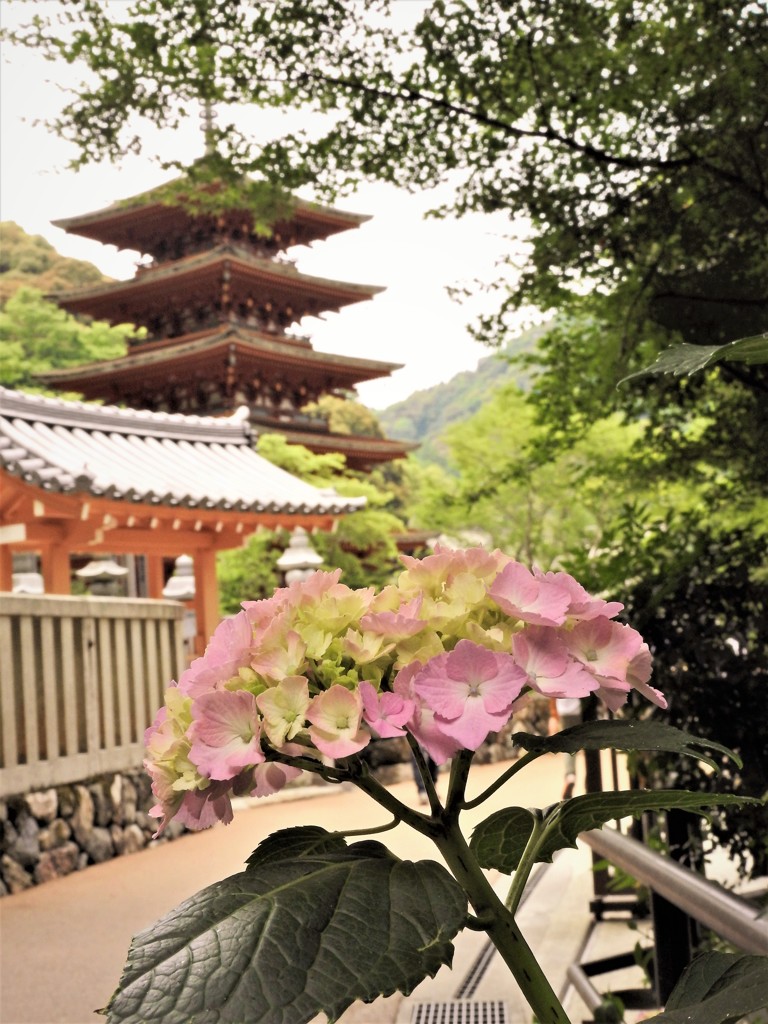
x=149, y=458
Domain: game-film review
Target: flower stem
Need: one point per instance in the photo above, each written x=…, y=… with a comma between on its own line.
x=526, y=759
x=525, y=864
x=500, y=926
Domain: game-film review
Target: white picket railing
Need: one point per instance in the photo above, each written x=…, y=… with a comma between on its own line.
x=80, y=680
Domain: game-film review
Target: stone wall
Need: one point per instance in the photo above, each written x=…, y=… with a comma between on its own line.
x=51, y=832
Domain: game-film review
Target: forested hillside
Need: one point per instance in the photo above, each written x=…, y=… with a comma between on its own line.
x=35, y=334
x=30, y=261
x=425, y=415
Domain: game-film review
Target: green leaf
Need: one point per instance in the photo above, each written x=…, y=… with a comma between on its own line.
x=499, y=841
x=290, y=843
x=625, y=734
x=718, y=988
x=688, y=359
x=293, y=936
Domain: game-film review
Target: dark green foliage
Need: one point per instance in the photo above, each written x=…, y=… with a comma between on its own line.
x=250, y=573
x=500, y=840
x=281, y=941
x=698, y=595
x=718, y=988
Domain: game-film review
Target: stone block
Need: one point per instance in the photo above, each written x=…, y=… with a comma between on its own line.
x=99, y=845
x=116, y=799
x=15, y=877
x=130, y=801
x=102, y=804
x=21, y=841
x=43, y=804
x=56, y=834
x=58, y=862
x=133, y=839
x=83, y=815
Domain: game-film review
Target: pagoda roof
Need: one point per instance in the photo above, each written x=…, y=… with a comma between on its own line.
x=203, y=354
x=195, y=272
x=155, y=459
x=361, y=451
x=128, y=222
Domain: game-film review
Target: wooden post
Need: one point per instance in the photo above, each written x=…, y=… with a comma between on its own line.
x=6, y=567
x=155, y=576
x=57, y=577
x=206, y=597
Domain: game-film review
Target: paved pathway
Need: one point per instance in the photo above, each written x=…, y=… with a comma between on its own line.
x=64, y=943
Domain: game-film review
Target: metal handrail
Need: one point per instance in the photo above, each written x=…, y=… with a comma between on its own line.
x=727, y=915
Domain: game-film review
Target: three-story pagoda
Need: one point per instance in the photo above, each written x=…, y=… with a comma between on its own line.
x=220, y=303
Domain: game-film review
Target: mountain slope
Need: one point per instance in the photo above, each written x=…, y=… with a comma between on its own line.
x=31, y=261
x=424, y=416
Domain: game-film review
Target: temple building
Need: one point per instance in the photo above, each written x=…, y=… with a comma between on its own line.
x=84, y=480
x=220, y=303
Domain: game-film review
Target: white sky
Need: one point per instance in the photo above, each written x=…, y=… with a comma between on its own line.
x=413, y=322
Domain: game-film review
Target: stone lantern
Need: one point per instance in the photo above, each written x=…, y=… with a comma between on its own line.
x=299, y=560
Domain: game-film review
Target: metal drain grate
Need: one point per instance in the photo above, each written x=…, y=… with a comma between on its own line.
x=461, y=1011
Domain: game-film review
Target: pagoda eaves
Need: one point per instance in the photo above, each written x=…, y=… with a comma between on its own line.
x=151, y=226
x=218, y=370
x=223, y=279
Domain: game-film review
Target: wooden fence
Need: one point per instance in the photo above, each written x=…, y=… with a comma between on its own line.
x=80, y=681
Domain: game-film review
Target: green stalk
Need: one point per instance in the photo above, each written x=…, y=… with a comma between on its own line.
x=526, y=863
x=526, y=759
x=500, y=925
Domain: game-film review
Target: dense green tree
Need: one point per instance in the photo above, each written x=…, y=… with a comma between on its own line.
x=363, y=544
x=346, y=416
x=625, y=138
x=250, y=573
x=630, y=132
x=36, y=336
x=541, y=512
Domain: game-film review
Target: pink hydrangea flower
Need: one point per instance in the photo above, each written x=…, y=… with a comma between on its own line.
x=543, y=656
x=521, y=594
x=335, y=715
x=613, y=693
x=422, y=724
x=582, y=604
x=278, y=649
x=432, y=574
x=228, y=650
x=225, y=733
x=202, y=808
x=385, y=713
x=284, y=708
x=395, y=625
x=271, y=777
x=617, y=656
x=471, y=691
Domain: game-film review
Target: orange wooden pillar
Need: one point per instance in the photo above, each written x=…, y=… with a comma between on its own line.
x=155, y=576
x=55, y=567
x=206, y=597
x=6, y=567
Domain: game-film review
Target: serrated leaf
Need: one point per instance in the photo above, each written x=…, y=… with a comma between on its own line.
x=625, y=734
x=302, y=841
x=688, y=359
x=499, y=841
x=286, y=940
x=718, y=988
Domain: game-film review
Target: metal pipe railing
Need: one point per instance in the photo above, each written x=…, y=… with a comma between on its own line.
x=727, y=915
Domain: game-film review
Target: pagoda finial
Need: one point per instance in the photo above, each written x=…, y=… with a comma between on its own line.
x=208, y=116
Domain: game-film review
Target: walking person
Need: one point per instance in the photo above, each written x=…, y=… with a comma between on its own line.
x=563, y=713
